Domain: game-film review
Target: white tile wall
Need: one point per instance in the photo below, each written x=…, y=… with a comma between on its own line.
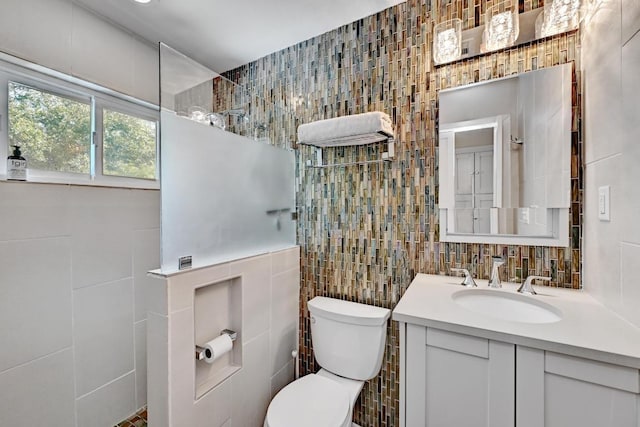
x=141, y=363
x=61, y=35
x=145, y=258
x=139, y=204
x=109, y=404
x=57, y=238
x=146, y=77
x=282, y=378
x=251, y=386
x=182, y=377
x=157, y=368
x=35, y=299
x=630, y=19
x=214, y=408
x=256, y=286
x=39, y=393
x=270, y=302
x=611, y=60
x=285, y=296
x=103, y=334
x=601, y=239
x=285, y=260
x=101, y=235
x=38, y=30
x=45, y=213
x=602, y=83
x=630, y=131
x=55, y=296
x=181, y=295
x=630, y=286
x=114, y=66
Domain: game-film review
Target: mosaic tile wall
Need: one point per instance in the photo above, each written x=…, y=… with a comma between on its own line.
x=365, y=231
x=258, y=119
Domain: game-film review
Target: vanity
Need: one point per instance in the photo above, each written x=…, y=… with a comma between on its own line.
x=493, y=357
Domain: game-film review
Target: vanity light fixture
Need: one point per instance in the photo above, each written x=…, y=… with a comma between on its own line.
x=502, y=26
x=560, y=16
x=142, y=1
x=447, y=41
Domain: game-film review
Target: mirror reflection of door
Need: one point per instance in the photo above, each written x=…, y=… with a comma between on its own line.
x=474, y=180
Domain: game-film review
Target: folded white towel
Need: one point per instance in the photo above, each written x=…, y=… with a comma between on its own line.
x=357, y=129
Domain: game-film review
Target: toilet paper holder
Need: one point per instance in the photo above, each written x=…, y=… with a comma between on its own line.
x=201, y=352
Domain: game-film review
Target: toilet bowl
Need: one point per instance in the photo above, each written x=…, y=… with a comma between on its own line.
x=348, y=342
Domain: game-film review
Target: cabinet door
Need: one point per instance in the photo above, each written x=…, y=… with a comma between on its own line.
x=469, y=381
x=555, y=390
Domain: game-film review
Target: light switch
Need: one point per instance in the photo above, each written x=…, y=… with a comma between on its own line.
x=604, y=207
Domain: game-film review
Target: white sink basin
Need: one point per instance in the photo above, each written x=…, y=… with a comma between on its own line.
x=507, y=306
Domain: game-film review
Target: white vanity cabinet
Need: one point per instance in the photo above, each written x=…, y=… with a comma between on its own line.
x=469, y=366
x=556, y=390
x=452, y=379
x=457, y=380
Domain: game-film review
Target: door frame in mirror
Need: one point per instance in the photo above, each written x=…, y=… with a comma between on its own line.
x=447, y=160
x=446, y=135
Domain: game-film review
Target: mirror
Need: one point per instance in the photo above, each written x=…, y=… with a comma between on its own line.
x=505, y=160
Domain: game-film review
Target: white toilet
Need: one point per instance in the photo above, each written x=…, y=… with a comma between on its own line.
x=348, y=343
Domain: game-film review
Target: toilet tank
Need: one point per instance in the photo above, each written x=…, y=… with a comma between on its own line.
x=348, y=338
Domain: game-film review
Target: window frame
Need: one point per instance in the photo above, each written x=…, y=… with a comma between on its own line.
x=99, y=98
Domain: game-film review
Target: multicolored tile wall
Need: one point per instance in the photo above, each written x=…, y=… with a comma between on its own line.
x=365, y=231
x=258, y=119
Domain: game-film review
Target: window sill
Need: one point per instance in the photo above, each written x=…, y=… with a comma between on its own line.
x=113, y=182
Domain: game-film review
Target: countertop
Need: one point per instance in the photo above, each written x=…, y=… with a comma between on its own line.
x=587, y=328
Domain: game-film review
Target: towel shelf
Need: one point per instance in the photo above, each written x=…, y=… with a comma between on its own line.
x=348, y=131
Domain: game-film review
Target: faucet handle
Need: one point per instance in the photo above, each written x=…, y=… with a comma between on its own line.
x=526, y=287
x=468, y=280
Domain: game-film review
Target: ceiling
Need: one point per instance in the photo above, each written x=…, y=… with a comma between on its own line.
x=224, y=34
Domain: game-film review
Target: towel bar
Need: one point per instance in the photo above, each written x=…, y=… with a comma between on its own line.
x=387, y=156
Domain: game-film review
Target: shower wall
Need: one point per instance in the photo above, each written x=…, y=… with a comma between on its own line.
x=226, y=194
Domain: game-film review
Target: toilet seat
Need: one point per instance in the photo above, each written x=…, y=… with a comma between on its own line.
x=311, y=401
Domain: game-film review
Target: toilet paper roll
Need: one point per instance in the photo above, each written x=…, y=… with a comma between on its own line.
x=217, y=347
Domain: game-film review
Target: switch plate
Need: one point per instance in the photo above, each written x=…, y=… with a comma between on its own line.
x=604, y=205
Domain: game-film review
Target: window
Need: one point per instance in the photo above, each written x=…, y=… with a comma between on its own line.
x=75, y=133
x=53, y=131
x=129, y=145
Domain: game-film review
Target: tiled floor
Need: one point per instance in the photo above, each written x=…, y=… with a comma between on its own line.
x=137, y=420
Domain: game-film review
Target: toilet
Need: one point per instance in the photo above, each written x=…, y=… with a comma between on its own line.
x=348, y=343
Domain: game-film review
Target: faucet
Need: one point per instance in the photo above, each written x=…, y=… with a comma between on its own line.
x=526, y=287
x=468, y=280
x=494, y=281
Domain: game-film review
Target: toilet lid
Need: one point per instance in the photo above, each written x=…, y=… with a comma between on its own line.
x=311, y=401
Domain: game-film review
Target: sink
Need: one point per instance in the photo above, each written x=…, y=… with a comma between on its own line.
x=507, y=306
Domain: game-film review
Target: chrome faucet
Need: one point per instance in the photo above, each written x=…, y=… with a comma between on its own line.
x=526, y=287
x=468, y=280
x=494, y=281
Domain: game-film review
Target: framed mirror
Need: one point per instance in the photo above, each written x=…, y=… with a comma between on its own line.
x=505, y=160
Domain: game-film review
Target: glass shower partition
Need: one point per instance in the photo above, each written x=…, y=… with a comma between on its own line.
x=227, y=168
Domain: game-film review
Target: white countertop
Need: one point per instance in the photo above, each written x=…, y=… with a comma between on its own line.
x=587, y=328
